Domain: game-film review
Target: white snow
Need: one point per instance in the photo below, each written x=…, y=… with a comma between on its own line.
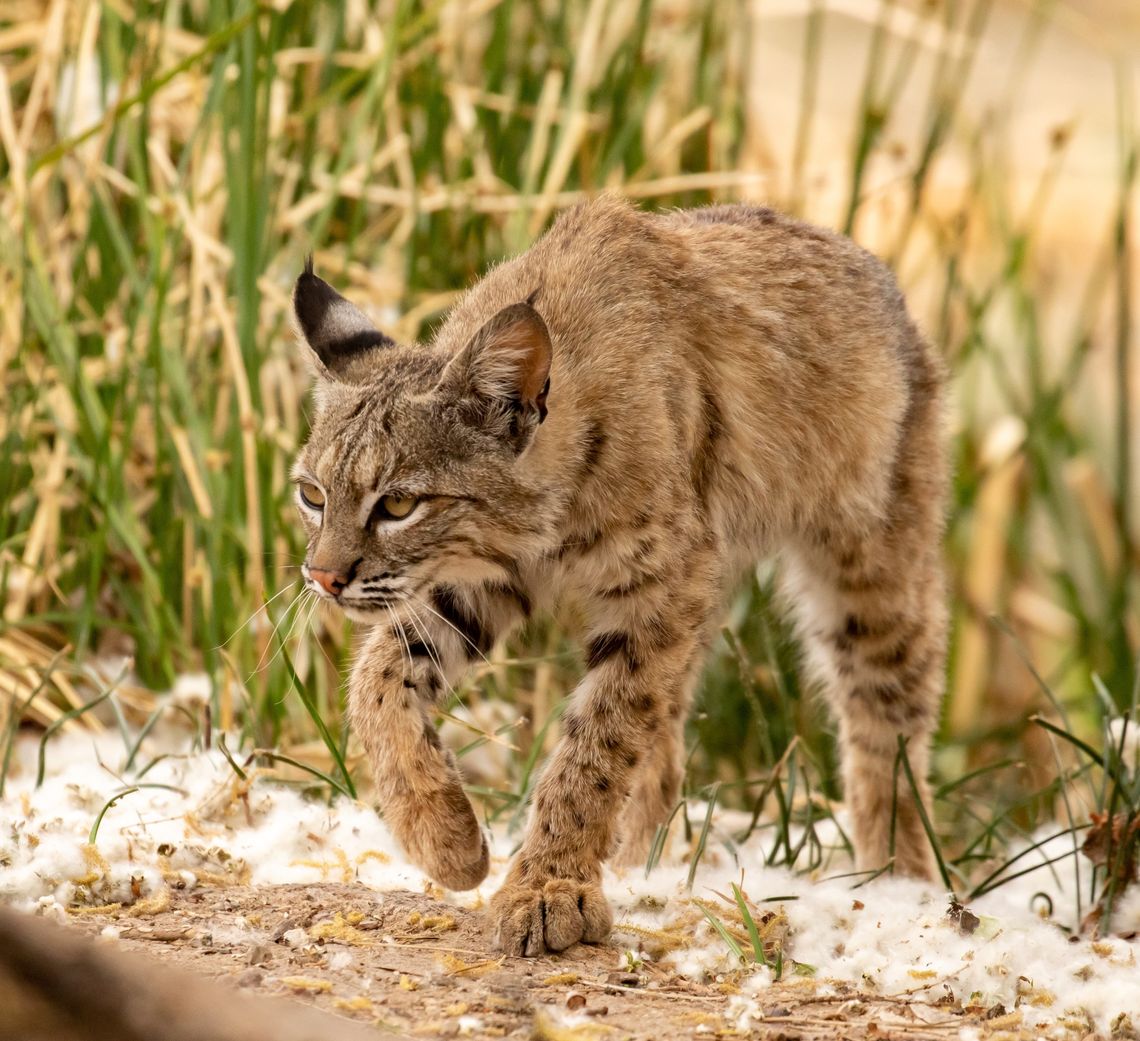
x=203, y=824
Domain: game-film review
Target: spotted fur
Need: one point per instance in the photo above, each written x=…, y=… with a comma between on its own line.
x=624, y=419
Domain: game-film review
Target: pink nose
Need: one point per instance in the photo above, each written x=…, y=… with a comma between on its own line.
x=332, y=582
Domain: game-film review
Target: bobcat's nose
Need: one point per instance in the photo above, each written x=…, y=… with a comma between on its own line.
x=332, y=582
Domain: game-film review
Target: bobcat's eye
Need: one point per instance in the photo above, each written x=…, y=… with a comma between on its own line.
x=395, y=507
x=312, y=496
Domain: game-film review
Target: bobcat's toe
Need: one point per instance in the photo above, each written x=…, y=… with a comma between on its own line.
x=528, y=920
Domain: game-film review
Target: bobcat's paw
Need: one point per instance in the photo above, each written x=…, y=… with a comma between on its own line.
x=457, y=868
x=530, y=919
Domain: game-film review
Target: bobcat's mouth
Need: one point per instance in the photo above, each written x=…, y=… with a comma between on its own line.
x=361, y=610
x=371, y=607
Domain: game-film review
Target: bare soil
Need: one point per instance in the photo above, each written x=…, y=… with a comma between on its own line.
x=412, y=966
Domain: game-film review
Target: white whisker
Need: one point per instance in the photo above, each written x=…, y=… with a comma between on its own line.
x=402, y=640
x=451, y=625
x=264, y=607
x=282, y=642
x=429, y=644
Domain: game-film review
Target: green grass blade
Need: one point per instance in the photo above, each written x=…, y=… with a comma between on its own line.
x=725, y=935
x=74, y=713
x=920, y=806
x=94, y=832
x=704, y=837
x=346, y=786
x=750, y=925
x=332, y=782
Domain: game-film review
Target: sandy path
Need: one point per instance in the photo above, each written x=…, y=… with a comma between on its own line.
x=415, y=967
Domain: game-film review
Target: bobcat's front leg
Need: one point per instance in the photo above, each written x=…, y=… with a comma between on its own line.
x=401, y=672
x=636, y=685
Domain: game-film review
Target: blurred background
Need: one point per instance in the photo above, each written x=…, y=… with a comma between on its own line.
x=165, y=167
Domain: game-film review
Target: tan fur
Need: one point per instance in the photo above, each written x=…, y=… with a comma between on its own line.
x=725, y=384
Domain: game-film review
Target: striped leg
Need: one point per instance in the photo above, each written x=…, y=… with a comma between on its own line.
x=630, y=700
x=401, y=672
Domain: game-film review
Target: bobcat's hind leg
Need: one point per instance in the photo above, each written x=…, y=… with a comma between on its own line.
x=870, y=607
x=875, y=631
x=869, y=599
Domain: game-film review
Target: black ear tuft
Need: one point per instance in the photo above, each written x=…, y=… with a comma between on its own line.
x=337, y=331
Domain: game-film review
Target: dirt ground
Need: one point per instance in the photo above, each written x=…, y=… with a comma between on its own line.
x=412, y=966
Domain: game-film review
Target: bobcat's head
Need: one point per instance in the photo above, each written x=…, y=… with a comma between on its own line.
x=409, y=476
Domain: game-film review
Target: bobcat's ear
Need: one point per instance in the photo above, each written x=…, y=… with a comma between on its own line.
x=506, y=367
x=338, y=333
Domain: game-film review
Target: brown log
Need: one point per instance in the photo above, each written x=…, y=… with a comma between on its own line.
x=57, y=985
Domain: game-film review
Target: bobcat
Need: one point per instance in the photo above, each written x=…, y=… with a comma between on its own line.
x=622, y=420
